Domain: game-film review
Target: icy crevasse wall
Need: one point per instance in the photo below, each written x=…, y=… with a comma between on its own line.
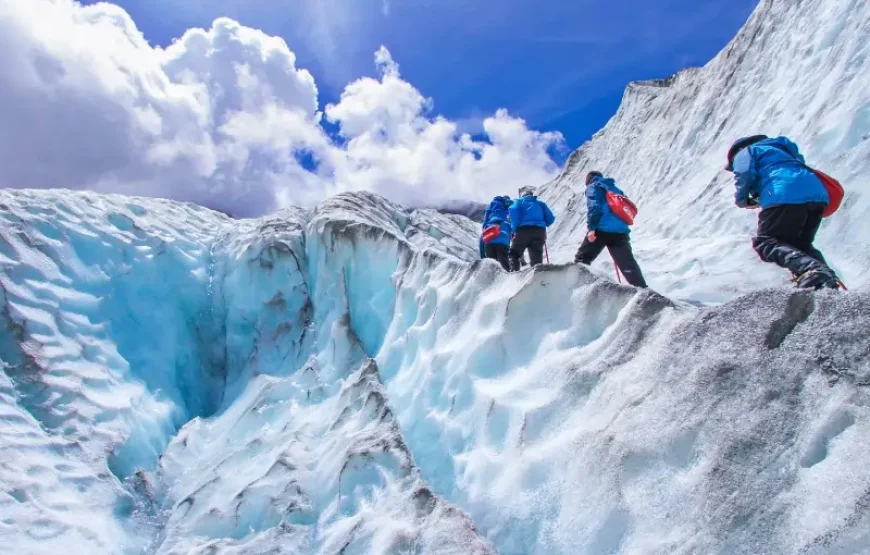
x=797, y=68
x=123, y=319
x=74, y=272
x=309, y=457
x=381, y=398
x=106, y=350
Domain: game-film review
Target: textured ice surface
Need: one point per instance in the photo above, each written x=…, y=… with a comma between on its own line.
x=350, y=380
x=175, y=382
x=157, y=360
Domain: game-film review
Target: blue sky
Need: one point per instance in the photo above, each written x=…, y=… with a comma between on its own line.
x=560, y=65
x=421, y=101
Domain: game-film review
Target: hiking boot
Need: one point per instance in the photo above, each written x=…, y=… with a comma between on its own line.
x=817, y=279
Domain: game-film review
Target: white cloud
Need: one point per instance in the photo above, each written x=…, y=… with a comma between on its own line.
x=223, y=117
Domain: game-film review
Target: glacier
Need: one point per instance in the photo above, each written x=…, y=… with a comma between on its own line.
x=344, y=380
x=351, y=379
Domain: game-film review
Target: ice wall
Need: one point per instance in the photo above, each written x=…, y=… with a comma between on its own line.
x=106, y=352
x=131, y=325
x=568, y=415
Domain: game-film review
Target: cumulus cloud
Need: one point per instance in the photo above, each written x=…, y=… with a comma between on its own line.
x=224, y=117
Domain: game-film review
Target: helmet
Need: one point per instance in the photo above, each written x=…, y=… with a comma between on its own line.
x=739, y=145
x=592, y=175
x=527, y=190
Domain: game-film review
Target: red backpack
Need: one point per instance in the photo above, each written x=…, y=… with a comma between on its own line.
x=835, y=192
x=624, y=209
x=491, y=233
x=834, y=188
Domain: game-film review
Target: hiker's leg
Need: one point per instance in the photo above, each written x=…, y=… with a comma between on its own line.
x=518, y=246
x=808, y=234
x=779, y=229
x=588, y=251
x=619, y=247
x=501, y=254
x=537, y=240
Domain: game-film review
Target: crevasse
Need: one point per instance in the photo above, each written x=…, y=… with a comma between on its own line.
x=207, y=435
x=360, y=394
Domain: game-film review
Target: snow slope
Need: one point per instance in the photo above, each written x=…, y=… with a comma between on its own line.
x=175, y=382
x=797, y=68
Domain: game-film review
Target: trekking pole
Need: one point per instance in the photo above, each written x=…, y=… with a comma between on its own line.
x=547, y=252
x=616, y=268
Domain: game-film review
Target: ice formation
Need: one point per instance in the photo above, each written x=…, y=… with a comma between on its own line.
x=351, y=380
x=170, y=383
x=318, y=382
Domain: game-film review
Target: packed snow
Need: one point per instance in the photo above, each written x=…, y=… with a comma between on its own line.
x=350, y=379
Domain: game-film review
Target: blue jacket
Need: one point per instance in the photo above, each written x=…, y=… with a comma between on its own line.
x=503, y=238
x=599, y=216
x=531, y=212
x=497, y=213
x=772, y=172
x=498, y=208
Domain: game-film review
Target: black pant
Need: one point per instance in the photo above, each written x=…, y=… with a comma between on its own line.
x=619, y=246
x=785, y=237
x=528, y=237
x=499, y=252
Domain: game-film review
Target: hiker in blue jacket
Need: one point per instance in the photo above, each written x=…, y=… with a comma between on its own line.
x=497, y=214
x=530, y=218
x=770, y=174
x=606, y=229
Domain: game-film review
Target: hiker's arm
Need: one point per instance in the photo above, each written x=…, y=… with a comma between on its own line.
x=594, y=198
x=745, y=179
x=549, y=218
